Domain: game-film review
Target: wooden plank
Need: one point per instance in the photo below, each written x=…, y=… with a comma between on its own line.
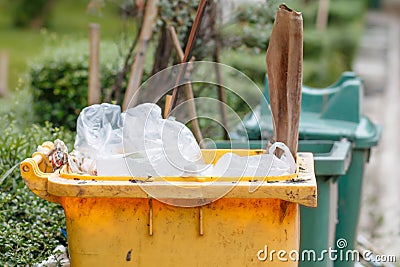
x=3, y=73
x=135, y=79
x=94, y=93
x=187, y=89
x=284, y=67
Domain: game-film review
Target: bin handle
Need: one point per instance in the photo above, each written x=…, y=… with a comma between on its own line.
x=41, y=157
x=339, y=156
x=36, y=170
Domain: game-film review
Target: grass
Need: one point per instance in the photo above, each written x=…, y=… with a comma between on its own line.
x=69, y=18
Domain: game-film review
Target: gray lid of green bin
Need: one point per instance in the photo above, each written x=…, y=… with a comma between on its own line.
x=331, y=113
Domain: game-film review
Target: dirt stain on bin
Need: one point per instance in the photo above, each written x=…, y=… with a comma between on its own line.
x=128, y=255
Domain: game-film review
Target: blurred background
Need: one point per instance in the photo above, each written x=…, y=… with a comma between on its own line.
x=44, y=60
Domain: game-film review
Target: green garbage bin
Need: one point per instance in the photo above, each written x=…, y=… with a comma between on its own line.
x=374, y=4
x=332, y=113
x=318, y=225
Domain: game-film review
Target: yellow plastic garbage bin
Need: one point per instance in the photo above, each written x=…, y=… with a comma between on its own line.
x=112, y=221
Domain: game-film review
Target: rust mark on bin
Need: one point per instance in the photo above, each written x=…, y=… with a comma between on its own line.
x=284, y=206
x=129, y=255
x=150, y=201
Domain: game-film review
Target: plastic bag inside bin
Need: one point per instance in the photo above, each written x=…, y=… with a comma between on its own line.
x=139, y=142
x=99, y=131
x=146, y=133
x=232, y=165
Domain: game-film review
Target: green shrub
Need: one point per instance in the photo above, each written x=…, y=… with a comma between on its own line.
x=329, y=53
x=59, y=80
x=324, y=71
x=326, y=53
x=345, y=40
x=309, y=12
x=18, y=143
x=250, y=63
x=343, y=12
x=29, y=226
x=18, y=105
x=314, y=43
x=28, y=13
x=250, y=27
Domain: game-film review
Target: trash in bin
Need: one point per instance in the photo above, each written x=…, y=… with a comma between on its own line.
x=99, y=130
x=139, y=142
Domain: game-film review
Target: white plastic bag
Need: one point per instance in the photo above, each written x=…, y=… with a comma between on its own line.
x=232, y=165
x=140, y=142
x=99, y=131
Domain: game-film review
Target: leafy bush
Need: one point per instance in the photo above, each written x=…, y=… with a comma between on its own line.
x=19, y=143
x=59, y=80
x=251, y=26
x=250, y=63
x=329, y=53
x=308, y=10
x=31, y=13
x=326, y=53
x=345, y=40
x=341, y=12
x=179, y=14
x=29, y=226
x=18, y=105
x=314, y=43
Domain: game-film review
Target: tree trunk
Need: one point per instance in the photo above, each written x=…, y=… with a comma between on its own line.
x=163, y=52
